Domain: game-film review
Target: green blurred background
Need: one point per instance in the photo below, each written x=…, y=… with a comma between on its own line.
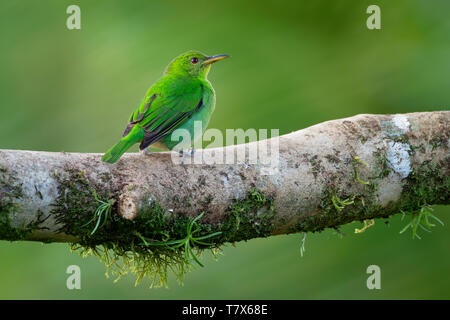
x=294, y=64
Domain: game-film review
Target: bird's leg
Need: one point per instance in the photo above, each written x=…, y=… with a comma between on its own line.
x=183, y=154
x=146, y=152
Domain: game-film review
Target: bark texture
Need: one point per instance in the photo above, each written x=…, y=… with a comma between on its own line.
x=339, y=171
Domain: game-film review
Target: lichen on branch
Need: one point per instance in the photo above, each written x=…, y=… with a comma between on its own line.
x=150, y=216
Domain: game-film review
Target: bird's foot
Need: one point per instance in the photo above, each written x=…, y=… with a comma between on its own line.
x=146, y=152
x=183, y=154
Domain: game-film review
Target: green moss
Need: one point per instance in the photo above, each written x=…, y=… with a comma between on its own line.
x=128, y=246
x=248, y=218
x=328, y=215
x=382, y=168
x=316, y=165
x=423, y=219
x=424, y=186
x=332, y=158
x=356, y=161
x=401, y=139
x=76, y=205
x=7, y=231
x=10, y=193
x=363, y=139
x=118, y=241
x=338, y=207
x=148, y=245
x=339, y=204
x=437, y=142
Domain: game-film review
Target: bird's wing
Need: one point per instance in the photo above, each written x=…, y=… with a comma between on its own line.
x=160, y=115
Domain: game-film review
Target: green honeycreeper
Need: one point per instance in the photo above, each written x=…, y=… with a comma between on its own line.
x=183, y=95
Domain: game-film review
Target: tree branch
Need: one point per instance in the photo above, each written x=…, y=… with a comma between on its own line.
x=353, y=169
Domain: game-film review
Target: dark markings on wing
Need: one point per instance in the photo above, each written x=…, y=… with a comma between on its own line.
x=200, y=104
x=142, y=115
x=139, y=117
x=165, y=128
x=128, y=129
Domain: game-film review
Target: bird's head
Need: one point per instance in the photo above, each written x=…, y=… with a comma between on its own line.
x=193, y=63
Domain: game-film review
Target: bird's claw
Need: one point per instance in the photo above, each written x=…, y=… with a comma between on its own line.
x=146, y=152
x=184, y=153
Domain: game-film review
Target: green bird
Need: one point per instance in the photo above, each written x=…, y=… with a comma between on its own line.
x=180, y=97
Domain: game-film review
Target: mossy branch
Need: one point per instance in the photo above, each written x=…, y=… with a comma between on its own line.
x=151, y=208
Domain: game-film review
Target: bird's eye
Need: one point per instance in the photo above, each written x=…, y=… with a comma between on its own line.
x=194, y=60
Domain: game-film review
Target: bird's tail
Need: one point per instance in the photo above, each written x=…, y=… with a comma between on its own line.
x=113, y=154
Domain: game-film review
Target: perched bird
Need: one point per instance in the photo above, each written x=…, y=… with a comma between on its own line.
x=183, y=95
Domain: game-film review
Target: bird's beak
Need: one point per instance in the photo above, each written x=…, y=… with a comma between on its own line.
x=213, y=59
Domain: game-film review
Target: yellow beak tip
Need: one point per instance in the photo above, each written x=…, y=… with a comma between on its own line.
x=216, y=58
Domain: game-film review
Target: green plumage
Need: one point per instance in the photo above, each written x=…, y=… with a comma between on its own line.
x=182, y=96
